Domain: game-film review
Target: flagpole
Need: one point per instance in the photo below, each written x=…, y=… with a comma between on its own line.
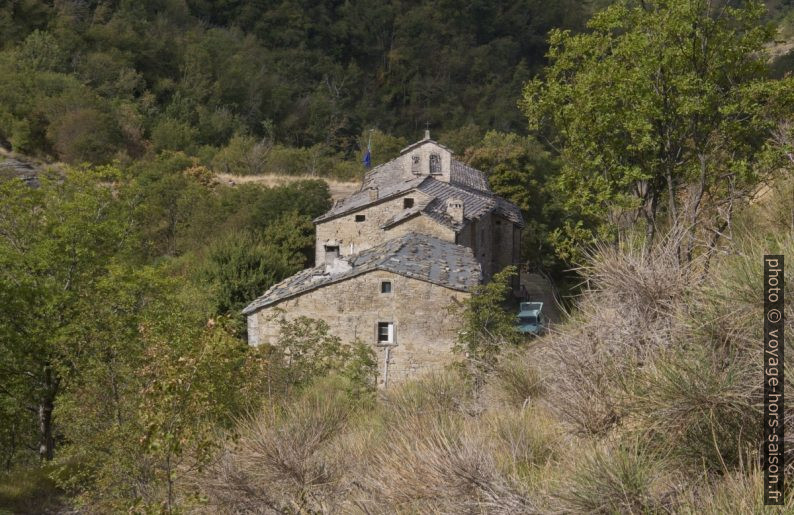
x=368, y=155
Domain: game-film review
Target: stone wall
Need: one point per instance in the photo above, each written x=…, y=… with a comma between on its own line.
x=495, y=242
x=422, y=152
x=424, y=329
x=354, y=236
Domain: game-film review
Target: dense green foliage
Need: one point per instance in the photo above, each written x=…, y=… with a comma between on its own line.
x=121, y=341
x=522, y=170
x=658, y=106
x=241, y=83
x=487, y=329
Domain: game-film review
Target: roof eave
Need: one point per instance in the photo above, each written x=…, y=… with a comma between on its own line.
x=252, y=308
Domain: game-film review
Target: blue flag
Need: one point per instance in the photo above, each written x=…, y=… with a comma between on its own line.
x=368, y=155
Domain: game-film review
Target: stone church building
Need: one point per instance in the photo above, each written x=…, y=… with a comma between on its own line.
x=395, y=256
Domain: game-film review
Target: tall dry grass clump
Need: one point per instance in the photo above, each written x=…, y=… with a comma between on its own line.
x=434, y=454
x=616, y=478
x=670, y=354
x=286, y=460
x=626, y=314
x=741, y=491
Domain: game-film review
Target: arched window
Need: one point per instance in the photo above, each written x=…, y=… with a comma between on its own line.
x=435, y=164
x=415, y=165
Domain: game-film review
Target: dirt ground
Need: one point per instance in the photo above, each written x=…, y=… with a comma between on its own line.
x=338, y=189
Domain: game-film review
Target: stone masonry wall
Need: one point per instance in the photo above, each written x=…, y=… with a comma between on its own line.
x=352, y=237
x=495, y=242
x=424, y=329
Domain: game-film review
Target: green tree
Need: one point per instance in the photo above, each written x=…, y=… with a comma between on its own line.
x=242, y=266
x=661, y=107
x=486, y=327
x=57, y=243
x=307, y=351
x=521, y=170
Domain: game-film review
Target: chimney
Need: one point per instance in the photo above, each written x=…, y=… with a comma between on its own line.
x=373, y=193
x=455, y=209
x=337, y=266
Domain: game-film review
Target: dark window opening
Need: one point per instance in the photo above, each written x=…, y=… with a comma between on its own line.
x=435, y=164
x=385, y=332
x=408, y=203
x=415, y=165
x=385, y=287
x=360, y=218
x=331, y=253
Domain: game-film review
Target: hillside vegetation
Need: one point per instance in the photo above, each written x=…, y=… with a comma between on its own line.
x=646, y=401
x=650, y=149
x=262, y=86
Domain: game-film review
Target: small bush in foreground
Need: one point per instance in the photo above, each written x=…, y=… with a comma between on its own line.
x=619, y=479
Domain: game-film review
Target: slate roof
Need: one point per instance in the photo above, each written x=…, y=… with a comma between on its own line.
x=418, y=256
x=465, y=175
x=381, y=173
x=465, y=183
x=460, y=173
x=476, y=203
x=422, y=142
x=362, y=198
x=10, y=167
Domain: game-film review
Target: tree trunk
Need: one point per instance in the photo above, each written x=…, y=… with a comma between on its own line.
x=650, y=215
x=45, y=408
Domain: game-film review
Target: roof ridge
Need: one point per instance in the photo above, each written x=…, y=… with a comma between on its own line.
x=432, y=250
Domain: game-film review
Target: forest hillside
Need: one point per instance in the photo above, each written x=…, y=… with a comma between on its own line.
x=175, y=152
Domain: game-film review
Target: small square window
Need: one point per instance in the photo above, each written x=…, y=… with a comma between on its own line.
x=408, y=203
x=385, y=287
x=385, y=332
x=360, y=218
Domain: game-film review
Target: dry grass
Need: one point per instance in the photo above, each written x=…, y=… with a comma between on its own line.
x=739, y=492
x=339, y=189
x=518, y=381
x=615, y=479
x=647, y=401
x=284, y=461
x=627, y=314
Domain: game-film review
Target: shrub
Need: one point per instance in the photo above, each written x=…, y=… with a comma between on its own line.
x=518, y=380
x=621, y=479
x=438, y=394
x=282, y=460
x=701, y=407
x=627, y=315
x=486, y=328
x=523, y=441
x=171, y=134
x=243, y=155
x=85, y=134
x=306, y=351
x=437, y=464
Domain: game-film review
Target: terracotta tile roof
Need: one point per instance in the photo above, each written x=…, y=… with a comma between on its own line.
x=418, y=256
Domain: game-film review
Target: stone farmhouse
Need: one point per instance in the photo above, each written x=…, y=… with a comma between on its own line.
x=394, y=257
